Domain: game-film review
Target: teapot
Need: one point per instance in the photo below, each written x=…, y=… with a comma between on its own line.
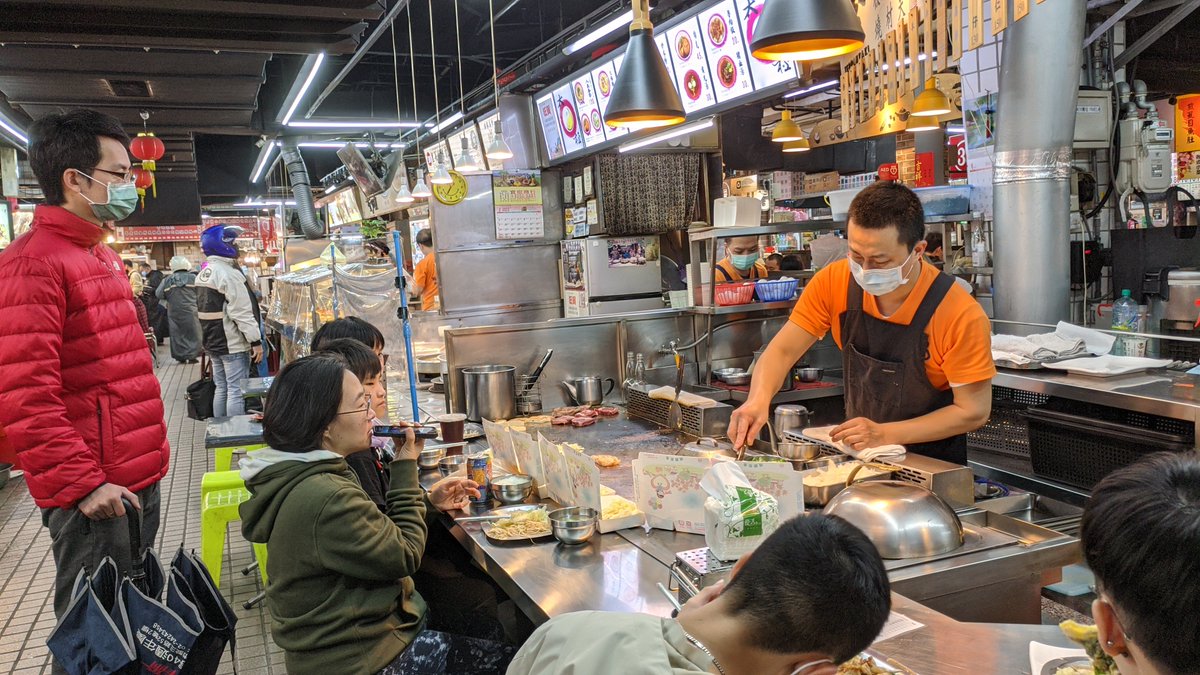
x=589, y=390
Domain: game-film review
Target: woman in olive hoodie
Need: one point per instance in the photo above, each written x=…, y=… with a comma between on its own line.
x=340, y=595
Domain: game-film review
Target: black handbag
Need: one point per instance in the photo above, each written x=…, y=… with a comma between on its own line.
x=200, y=394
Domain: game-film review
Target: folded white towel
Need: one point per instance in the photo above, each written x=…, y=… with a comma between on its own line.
x=882, y=452
x=685, y=398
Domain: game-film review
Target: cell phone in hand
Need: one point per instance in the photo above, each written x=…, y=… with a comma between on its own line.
x=396, y=431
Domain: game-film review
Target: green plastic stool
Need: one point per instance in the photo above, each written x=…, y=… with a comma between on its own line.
x=219, y=508
x=220, y=480
x=223, y=457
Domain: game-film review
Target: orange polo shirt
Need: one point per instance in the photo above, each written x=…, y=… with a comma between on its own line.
x=425, y=276
x=960, y=335
x=759, y=271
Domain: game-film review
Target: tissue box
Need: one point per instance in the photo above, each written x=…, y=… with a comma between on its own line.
x=737, y=212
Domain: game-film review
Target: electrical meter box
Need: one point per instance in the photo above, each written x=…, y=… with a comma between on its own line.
x=1093, y=120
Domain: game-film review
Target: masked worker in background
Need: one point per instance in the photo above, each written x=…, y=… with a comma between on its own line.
x=741, y=262
x=229, y=315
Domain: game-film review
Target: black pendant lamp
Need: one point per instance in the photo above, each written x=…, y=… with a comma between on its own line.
x=806, y=30
x=643, y=95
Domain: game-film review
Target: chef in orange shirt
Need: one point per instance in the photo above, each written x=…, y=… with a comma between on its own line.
x=425, y=279
x=742, y=261
x=916, y=347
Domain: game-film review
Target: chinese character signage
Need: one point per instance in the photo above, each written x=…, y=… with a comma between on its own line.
x=1187, y=114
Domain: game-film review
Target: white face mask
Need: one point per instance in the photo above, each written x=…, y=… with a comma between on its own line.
x=880, y=282
x=810, y=664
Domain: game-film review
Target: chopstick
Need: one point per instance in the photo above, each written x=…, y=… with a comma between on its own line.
x=670, y=596
x=903, y=668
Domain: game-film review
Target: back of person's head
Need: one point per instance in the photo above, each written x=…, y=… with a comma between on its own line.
x=129, y=264
x=777, y=257
x=299, y=406
x=888, y=204
x=359, y=358
x=791, y=263
x=348, y=327
x=69, y=141
x=1141, y=538
x=425, y=238
x=933, y=241
x=816, y=585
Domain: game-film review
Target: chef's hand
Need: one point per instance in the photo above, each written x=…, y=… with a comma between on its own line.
x=449, y=494
x=860, y=433
x=745, y=423
x=705, y=596
x=105, y=502
x=412, y=447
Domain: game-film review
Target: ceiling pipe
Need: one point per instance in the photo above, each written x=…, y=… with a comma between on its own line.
x=301, y=189
x=359, y=53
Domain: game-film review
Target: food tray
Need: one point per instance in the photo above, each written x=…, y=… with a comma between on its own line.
x=509, y=510
x=779, y=290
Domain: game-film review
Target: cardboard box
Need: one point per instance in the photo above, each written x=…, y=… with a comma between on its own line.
x=816, y=183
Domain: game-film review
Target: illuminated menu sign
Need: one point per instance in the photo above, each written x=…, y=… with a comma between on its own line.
x=437, y=152
x=726, y=49
x=470, y=134
x=487, y=131
x=707, y=56
x=691, y=67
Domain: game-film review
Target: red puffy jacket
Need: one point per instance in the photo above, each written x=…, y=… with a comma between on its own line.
x=78, y=395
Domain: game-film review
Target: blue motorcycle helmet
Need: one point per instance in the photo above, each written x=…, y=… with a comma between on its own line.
x=218, y=240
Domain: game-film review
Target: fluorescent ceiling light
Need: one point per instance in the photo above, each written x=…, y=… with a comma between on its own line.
x=596, y=35
x=448, y=121
x=667, y=135
x=308, y=80
x=263, y=155
x=269, y=202
x=338, y=145
x=14, y=131
x=353, y=124
x=956, y=130
x=809, y=90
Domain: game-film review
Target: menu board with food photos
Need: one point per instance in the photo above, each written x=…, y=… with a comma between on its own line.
x=691, y=67
x=569, y=122
x=664, y=47
x=437, y=152
x=487, y=132
x=584, y=91
x=548, y=116
x=728, y=58
x=605, y=76
x=474, y=148
x=766, y=73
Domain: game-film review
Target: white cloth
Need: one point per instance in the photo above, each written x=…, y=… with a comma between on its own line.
x=882, y=452
x=1097, y=343
x=685, y=398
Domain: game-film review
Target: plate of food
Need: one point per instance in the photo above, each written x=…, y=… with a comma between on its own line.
x=717, y=30
x=691, y=85
x=605, y=84
x=683, y=45
x=1072, y=665
x=520, y=523
x=865, y=664
x=579, y=92
x=726, y=72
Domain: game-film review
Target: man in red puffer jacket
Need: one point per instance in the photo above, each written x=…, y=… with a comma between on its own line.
x=78, y=396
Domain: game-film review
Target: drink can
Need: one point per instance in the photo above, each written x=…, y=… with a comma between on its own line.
x=479, y=469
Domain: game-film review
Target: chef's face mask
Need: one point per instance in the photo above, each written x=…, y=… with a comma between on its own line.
x=883, y=281
x=744, y=262
x=122, y=200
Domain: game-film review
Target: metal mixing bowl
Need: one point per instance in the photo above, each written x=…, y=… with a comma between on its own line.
x=903, y=520
x=809, y=375
x=735, y=376
x=512, y=489
x=451, y=463
x=573, y=525
x=798, y=451
x=429, y=458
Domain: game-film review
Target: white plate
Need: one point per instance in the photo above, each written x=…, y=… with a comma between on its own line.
x=1109, y=365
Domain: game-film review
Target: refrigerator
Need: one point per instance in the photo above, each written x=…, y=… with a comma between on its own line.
x=611, y=275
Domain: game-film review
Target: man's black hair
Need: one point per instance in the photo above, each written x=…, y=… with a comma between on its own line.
x=791, y=263
x=348, y=327
x=933, y=241
x=816, y=585
x=69, y=141
x=128, y=264
x=1141, y=538
x=887, y=204
x=777, y=257
x=359, y=358
x=425, y=237
x=299, y=406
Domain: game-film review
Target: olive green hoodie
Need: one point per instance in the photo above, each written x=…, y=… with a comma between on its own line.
x=340, y=595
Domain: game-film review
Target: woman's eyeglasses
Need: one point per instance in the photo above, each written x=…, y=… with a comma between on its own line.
x=359, y=410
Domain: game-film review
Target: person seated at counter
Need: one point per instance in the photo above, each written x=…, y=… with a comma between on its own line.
x=774, y=262
x=741, y=261
x=935, y=254
x=369, y=465
x=791, y=263
x=354, y=328
x=813, y=595
x=1141, y=538
x=340, y=596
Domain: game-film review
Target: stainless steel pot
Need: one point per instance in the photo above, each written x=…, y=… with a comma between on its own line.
x=589, y=390
x=903, y=520
x=793, y=418
x=808, y=375
x=490, y=392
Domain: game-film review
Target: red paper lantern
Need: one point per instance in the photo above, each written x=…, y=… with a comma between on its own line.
x=143, y=178
x=148, y=149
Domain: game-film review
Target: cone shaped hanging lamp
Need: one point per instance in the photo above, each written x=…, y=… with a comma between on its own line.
x=806, y=30
x=643, y=94
x=931, y=102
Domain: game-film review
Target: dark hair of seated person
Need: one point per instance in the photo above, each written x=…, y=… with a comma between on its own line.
x=791, y=263
x=299, y=406
x=348, y=327
x=1141, y=538
x=838, y=603
x=360, y=360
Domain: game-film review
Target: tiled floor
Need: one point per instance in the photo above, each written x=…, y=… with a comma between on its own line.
x=27, y=568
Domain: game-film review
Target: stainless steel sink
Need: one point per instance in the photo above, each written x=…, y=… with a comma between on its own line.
x=1049, y=513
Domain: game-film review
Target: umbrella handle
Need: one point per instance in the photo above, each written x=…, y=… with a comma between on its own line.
x=133, y=518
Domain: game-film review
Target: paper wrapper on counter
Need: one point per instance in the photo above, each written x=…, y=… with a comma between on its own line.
x=554, y=463
x=667, y=488
x=737, y=517
x=500, y=440
x=529, y=456
x=584, y=480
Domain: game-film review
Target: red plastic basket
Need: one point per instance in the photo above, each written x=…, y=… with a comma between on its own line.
x=734, y=294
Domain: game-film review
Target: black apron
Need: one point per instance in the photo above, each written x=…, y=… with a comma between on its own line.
x=884, y=369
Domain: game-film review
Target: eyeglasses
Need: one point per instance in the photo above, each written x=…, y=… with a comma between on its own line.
x=359, y=410
x=126, y=177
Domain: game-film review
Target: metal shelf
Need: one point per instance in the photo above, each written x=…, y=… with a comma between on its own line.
x=813, y=225
x=747, y=308
x=797, y=395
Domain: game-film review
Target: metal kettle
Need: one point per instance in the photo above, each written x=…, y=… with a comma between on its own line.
x=589, y=390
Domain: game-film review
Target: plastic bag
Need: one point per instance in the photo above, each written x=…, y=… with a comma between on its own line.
x=828, y=249
x=737, y=517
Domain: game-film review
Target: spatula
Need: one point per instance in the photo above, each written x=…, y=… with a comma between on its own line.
x=675, y=412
